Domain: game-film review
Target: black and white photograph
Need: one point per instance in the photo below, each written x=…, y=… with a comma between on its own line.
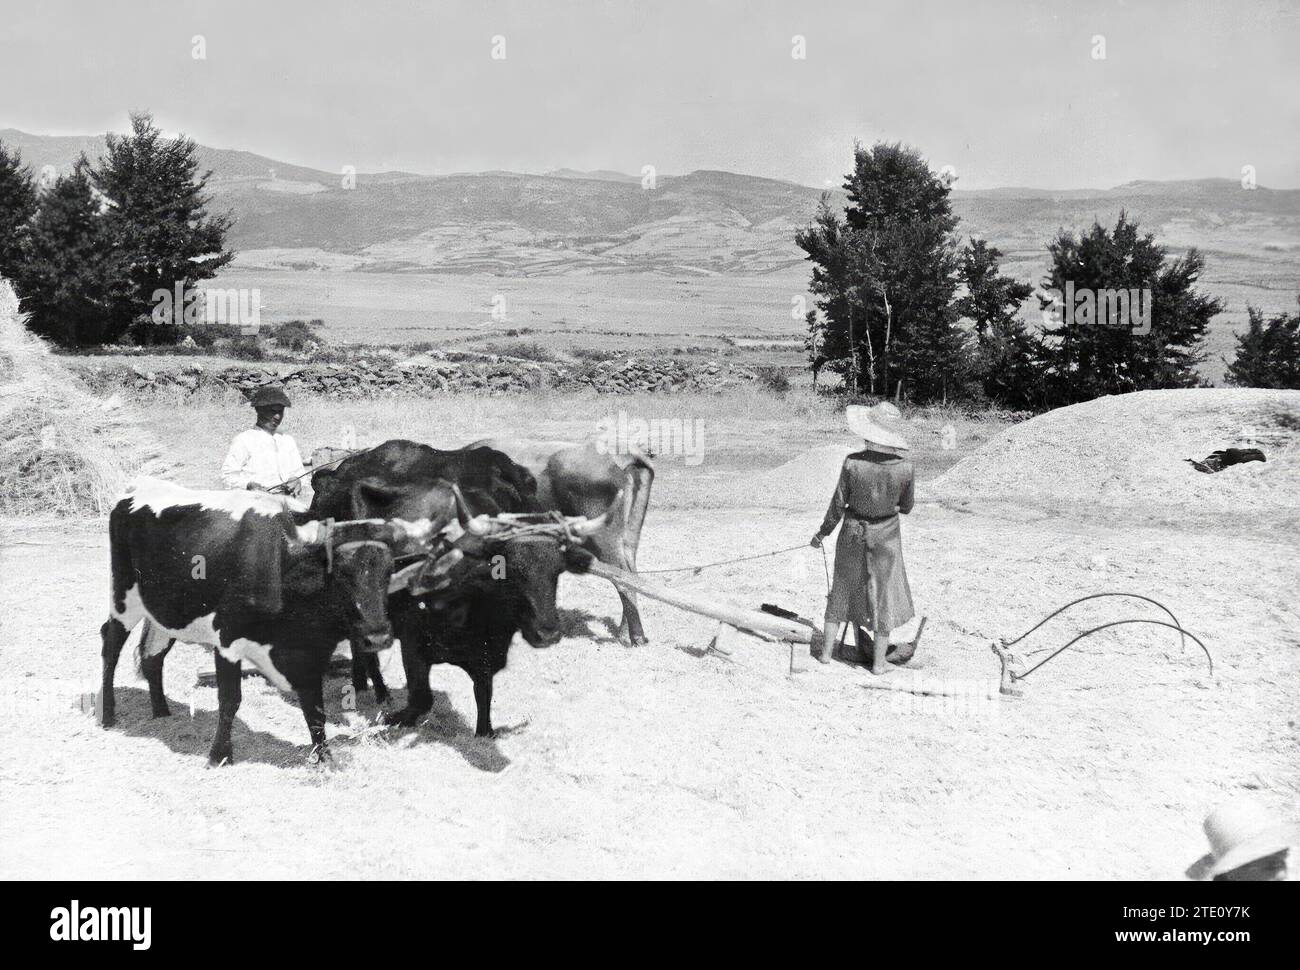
x=607, y=440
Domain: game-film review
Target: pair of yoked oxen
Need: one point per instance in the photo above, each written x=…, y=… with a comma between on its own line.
x=450, y=551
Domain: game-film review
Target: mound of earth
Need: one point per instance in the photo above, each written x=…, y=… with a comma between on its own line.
x=63, y=451
x=1127, y=453
x=801, y=483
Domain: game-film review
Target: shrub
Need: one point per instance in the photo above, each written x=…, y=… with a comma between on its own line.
x=773, y=379
x=247, y=348
x=1268, y=353
x=297, y=335
x=335, y=355
x=592, y=353
x=207, y=334
x=523, y=349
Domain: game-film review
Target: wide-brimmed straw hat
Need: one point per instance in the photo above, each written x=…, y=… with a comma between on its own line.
x=1242, y=831
x=880, y=425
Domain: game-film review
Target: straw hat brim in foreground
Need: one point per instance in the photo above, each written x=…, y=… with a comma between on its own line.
x=876, y=425
x=1266, y=843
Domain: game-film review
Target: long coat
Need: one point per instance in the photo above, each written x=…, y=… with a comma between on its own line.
x=870, y=577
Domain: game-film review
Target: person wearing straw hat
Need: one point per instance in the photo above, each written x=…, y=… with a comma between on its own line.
x=1247, y=844
x=870, y=586
x=263, y=458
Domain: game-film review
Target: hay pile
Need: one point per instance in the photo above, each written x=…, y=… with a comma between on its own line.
x=63, y=451
x=803, y=483
x=1127, y=452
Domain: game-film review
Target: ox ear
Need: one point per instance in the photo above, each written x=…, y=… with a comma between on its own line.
x=322, y=479
x=522, y=487
x=257, y=579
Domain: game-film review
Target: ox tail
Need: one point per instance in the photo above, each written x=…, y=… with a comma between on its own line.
x=152, y=642
x=121, y=571
x=640, y=475
x=138, y=656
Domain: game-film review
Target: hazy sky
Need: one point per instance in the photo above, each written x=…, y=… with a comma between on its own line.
x=1007, y=92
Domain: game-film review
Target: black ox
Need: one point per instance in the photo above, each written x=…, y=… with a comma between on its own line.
x=465, y=607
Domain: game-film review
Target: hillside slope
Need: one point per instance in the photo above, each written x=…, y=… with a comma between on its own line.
x=567, y=221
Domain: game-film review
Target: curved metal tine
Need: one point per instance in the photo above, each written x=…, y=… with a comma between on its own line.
x=1177, y=625
x=1120, y=623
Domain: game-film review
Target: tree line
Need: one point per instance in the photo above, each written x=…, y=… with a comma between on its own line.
x=886, y=275
x=87, y=251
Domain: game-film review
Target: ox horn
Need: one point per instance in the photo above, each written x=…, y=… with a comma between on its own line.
x=583, y=527
x=479, y=525
x=463, y=513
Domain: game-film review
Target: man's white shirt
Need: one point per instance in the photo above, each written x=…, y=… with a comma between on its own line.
x=264, y=459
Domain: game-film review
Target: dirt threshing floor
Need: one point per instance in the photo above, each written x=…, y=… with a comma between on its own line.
x=665, y=761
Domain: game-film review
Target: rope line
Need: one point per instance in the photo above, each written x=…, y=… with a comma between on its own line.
x=723, y=562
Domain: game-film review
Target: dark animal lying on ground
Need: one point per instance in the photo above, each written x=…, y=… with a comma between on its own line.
x=465, y=607
x=233, y=571
x=1222, y=459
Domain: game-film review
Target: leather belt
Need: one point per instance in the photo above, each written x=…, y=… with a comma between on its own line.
x=869, y=519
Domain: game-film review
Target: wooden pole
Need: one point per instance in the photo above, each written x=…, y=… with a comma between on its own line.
x=751, y=621
x=767, y=626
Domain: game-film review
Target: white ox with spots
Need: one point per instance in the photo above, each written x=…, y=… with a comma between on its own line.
x=234, y=571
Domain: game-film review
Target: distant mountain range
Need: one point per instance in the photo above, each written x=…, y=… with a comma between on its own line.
x=568, y=221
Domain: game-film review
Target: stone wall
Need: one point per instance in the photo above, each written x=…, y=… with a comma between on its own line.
x=422, y=376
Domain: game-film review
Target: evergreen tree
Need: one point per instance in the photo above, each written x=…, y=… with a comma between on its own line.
x=1268, y=353
x=68, y=277
x=826, y=242
x=17, y=206
x=158, y=220
x=885, y=275
x=1087, y=359
x=1010, y=366
x=1008, y=357
x=990, y=297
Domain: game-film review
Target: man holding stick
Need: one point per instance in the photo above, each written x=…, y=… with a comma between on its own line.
x=265, y=459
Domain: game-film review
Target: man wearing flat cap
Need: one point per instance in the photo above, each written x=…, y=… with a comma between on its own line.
x=870, y=588
x=263, y=458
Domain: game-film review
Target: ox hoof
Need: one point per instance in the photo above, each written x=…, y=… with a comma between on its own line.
x=382, y=696
x=490, y=734
x=321, y=756
x=162, y=710
x=406, y=717
x=219, y=759
x=107, y=720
